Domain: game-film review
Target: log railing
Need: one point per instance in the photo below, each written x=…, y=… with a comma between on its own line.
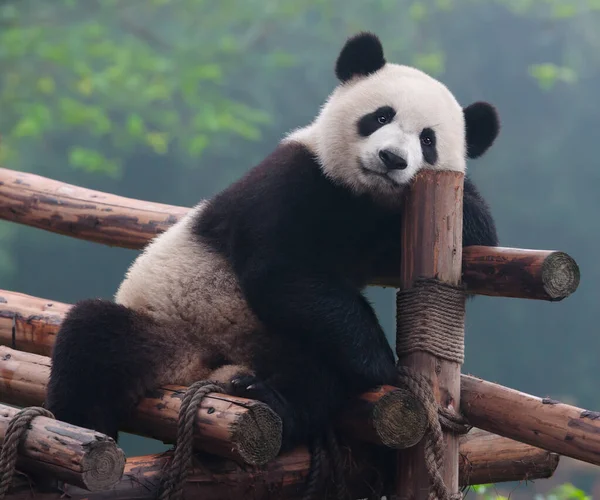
x=124, y=222
x=521, y=435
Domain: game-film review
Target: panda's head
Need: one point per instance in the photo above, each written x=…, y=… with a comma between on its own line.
x=384, y=122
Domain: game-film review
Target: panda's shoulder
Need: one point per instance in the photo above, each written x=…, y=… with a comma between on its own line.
x=286, y=182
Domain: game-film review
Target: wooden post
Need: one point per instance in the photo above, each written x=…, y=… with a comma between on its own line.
x=432, y=248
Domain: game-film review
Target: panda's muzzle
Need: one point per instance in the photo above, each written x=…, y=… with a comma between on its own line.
x=392, y=161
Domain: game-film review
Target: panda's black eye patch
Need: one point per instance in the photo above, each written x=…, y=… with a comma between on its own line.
x=372, y=122
x=428, y=145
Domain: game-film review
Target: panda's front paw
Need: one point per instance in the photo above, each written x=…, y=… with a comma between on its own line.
x=251, y=387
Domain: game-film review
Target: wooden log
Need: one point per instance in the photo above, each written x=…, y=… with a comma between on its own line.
x=488, y=458
x=237, y=428
x=542, y=422
x=506, y=272
x=387, y=415
x=520, y=273
x=125, y=222
x=29, y=323
x=82, y=213
x=432, y=248
x=284, y=476
x=79, y=456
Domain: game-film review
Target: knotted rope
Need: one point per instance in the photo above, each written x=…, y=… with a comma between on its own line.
x=15, y=431
x=179, y=467
x=430, y=318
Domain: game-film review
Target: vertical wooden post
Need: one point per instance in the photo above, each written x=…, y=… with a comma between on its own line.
x=432, y=248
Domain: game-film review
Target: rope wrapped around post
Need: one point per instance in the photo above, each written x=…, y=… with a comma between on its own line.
x=14, y=434
x=430, y=318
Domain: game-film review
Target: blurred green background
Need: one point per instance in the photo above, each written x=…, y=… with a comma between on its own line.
x=171, y=100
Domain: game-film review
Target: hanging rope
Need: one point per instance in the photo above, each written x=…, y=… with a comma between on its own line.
x=18, y=425
x=320, y=452
x=430, y=318
x=179, y=468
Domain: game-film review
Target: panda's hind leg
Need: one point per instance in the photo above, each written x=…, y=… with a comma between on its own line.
x=105, y=358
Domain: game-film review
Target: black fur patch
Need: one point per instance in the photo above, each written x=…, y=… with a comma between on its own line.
x=103, y=360
x=429, y=149
x=483, y=125
x=371, y=122
x=302, y=248
x=361, y=55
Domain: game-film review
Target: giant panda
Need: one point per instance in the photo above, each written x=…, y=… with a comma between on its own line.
x=260, y=287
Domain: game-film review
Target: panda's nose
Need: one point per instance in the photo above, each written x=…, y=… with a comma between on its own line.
x=391, y=160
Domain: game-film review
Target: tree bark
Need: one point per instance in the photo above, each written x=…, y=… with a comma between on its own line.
x=125, y=222
x=488, y=458
x=228, y=426
x=543, y=422
x=432, y=248
x=79, y=456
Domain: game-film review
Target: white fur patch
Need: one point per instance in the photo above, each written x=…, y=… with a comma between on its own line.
x=419, y=100
x=191, y=291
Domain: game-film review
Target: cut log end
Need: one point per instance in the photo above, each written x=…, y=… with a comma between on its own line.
x=257, y=434
x=560, y=275
x=103, y=465
x=399, y=419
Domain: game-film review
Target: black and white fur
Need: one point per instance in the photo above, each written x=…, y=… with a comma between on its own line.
x=260, y=287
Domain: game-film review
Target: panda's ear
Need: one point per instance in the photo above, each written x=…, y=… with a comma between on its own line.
x=483, y=125
x=361, y=55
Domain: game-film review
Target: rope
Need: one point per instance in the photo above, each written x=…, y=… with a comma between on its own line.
x=181, y=463
x=15, y=431
x=430, y=317
x=319, y=452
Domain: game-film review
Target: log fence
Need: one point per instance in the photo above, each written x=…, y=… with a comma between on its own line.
x=515, y=436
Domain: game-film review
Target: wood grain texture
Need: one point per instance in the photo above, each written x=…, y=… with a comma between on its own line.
x=82, y=213
x=237, y=428
x=29, y=323
x=217, y=479
x=542, y=422
x=520, y=273
x=432, y=248
x=227, y=426
x=79, y=456
x=488, y=458
x=125, y=222
x=284, y=476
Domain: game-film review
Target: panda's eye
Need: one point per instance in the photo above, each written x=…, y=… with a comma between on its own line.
x=383, y=119
x=426, y=140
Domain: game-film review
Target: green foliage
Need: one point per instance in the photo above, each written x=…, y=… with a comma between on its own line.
x=564, y=491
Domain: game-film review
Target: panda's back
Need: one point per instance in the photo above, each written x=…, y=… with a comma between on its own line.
x=183, y=284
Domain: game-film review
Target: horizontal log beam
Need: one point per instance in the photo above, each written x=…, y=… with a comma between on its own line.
x=237, y=428
x=125, y=222
x=387, y=415
x=488, y=458
x=485, y=458
x=542, y=422
x=78, y=456
x=282, y=478
x=82, y=213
